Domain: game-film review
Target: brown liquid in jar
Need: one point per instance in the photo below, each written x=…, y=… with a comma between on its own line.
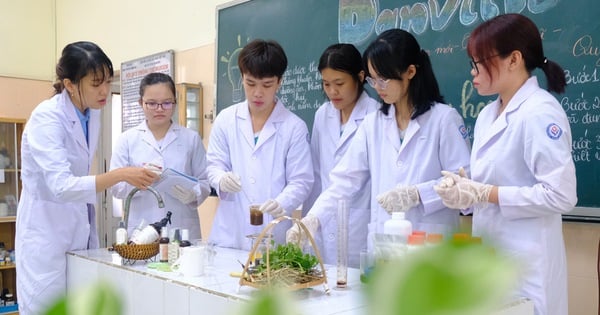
x=256, y=216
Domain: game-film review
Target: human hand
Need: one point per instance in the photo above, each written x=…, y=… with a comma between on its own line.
x=183, y=194
x=297, y=236
x=460, y=192
x=157, y=169
x=230, y=182
x=138, y=177
x=400, y=198
x=273, y=208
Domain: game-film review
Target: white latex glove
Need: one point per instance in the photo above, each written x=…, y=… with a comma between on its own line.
x=273, y=208
x=157, y=169
x=295, y=235
x=400, y=198
x=460, y=192
x=230, y=182
x=183, y=194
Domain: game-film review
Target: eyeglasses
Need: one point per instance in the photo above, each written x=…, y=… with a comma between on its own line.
x=165, y=105
x=374, y=83
x=474, y=63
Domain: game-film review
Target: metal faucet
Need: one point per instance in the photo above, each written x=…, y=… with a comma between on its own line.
x=161, y=203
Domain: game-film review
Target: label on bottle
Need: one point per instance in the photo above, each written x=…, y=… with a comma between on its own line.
x=163, y=252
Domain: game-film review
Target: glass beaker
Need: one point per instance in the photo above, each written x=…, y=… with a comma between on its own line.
x=256, y=216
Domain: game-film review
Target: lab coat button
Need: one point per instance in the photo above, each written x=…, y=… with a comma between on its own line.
x=331, y=236
x=252, y=180
x=399, y=163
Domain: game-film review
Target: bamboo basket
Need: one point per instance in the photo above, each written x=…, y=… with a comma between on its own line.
x=137, y=252
x=317, y=276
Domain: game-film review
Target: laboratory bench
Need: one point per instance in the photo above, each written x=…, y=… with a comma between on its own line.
x=149, y=291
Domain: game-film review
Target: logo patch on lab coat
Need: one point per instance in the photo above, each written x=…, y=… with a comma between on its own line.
x=553, y=131
x=463, y=131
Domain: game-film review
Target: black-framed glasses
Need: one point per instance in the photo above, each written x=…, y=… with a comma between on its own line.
x=165, y=105
x=474, y=63
x=379, y=82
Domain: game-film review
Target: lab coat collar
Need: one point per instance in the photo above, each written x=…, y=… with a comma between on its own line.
x=392, y=133
x=148, y=137
x=75, y=125
x=356, y=117
x=270, y=127
x=501, y=122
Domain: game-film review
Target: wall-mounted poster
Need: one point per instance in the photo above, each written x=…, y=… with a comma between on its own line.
x=132, y=73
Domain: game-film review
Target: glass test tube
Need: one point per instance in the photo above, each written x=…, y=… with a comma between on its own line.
x=342, y=244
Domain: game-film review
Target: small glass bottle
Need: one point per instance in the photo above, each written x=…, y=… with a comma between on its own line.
x=185, y=240
x=9, y=299
x=163, y=249
x=174, y=247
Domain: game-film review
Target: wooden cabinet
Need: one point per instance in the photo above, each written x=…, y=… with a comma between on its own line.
x=189, y=104
x=10, y=189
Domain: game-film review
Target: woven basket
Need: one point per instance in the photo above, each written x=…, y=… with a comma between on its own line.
x=315, y=277
x=137, y=252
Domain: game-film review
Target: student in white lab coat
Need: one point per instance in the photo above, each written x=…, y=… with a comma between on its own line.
x=159, y=143
x=523, y=175
x=56, y=212
x=336, y=122
x=258, y=152
x=402, y=146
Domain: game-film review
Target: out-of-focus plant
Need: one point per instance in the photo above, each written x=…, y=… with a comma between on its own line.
x=97, y=299
x=269, y=301
x=450, y=279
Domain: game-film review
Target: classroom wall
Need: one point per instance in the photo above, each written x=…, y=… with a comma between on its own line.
x=130, y=29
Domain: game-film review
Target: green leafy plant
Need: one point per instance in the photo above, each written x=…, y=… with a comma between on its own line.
x=288, y=256
x=97, y=299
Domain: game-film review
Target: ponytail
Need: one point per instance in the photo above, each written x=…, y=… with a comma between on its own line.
x=555, y=76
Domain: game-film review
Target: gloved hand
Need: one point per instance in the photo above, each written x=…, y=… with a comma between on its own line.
x=183, y=194
x=273, y=208
x=460, y=192
x=295, y=235
x=156, y=169
x=230, y=182
x=400, y=198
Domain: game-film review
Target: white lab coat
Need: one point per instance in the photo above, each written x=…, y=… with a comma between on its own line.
x=53, y=215
x=277, y=167
x=327, y=148
x=181, y=150
x=524, y=153
x=434, y=141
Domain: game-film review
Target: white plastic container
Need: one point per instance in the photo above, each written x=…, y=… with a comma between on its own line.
x=121, y=234
x=398, y=225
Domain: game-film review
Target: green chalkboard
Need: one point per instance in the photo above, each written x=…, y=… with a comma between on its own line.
x=570, y=30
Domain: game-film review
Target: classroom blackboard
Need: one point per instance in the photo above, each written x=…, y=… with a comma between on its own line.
x=570, y=30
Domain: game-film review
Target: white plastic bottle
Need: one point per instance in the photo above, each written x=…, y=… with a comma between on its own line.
x=395, y=236
x=398, y=225
x=137, y=230
x=121, y=234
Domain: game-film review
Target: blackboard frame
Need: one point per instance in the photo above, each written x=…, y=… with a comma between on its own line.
x=569, y=30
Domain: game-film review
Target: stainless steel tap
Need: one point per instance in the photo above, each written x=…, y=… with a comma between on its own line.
x=161, y=203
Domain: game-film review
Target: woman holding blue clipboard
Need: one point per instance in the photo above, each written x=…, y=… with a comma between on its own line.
x=160, y=144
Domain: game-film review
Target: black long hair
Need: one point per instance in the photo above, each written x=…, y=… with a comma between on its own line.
x=390, y=55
